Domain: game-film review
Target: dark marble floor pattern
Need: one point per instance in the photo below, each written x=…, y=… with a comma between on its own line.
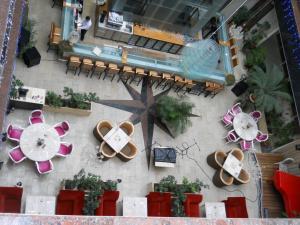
x=143, y=110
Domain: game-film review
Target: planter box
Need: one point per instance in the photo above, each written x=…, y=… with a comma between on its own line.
x=73, y=111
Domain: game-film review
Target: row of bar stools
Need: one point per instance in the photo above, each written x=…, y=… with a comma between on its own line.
x=86, y=66
x=111, y=71
x=73, y=64
x=99, y=69
x=127, y=74
x=139, y=75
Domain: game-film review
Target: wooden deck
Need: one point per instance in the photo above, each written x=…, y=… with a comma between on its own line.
x=272, y=202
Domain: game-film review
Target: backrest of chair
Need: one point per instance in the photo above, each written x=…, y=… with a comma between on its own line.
x=36, y=113
x=9, y=129
x=65, y=125
x=236, y=152
x=44, y=166
x=16, y=154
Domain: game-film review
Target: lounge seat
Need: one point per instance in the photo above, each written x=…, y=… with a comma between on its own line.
x=216, y=159
x=128, y=152
x=107, y=151
x=288, y=186
x=127, y=127
x=222, y=178
x=243, y=178
x=70, y=202
x=10, y=199
x=101, y=129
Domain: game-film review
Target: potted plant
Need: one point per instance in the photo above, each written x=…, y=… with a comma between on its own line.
x=174, y=113
x=183, y=194
x=16, y=84
x=230, y=79
x=93, y=186
x=241, y=16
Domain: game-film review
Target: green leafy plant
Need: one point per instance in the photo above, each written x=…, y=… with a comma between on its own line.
x=268, y=88
x=174, y=113
x=230, y=79
x=255, y=57
x=93, y=186
x=241, y=16
x=169, y=184
x=29, y=26
x=78, y=100
x=54, y=99
x=15, y=85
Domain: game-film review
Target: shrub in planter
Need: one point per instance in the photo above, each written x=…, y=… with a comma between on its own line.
x=53, y=99
x=241, y=16
x=15, y=85
x=174, y=113
x=93, y=186
x=78, y=100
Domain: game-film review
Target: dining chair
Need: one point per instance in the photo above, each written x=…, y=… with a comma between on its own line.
x=236, y=109
x=44, y=167
x=62, y=128
x=228, y=119
x=255, y=115
x=65, y=149
x=14, y=133
x=232, y=137
x=16, y=155
x=36, y=117
x=246, y=145
x=261, y=137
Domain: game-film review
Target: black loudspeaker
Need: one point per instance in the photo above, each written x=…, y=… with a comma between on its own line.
x=24, y=38
x=31, y=57
x=240, y=88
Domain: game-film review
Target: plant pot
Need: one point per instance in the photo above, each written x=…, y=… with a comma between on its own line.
x=191, y=204
x=68, y=110
x=230, y=79
x=252, y=98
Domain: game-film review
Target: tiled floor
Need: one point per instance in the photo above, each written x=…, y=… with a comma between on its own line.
x=203, y=137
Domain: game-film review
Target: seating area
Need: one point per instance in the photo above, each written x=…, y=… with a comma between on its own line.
x=130, y=75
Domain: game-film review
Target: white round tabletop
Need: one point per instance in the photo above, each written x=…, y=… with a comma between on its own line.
x=245, y=126
x=40, y=142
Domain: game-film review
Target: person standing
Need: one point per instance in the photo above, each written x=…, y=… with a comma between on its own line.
x=85, y=25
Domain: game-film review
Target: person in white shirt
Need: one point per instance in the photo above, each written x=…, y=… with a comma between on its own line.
x=85, y=25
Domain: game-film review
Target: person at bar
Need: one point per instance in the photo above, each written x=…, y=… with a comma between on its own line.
x=85, y=26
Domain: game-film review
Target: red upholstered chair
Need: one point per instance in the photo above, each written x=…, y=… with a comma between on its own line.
x=10, y=199
x=70, y=202
x=108, y=204
x=191, y=205
x=159, y=204
x=288, y=186
x=236, y=207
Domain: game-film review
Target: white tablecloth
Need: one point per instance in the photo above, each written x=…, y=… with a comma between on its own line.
x=29, y=139
x=245, y=126
x=116, y=138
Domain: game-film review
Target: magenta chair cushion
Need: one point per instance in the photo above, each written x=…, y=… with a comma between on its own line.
x=44, y=166
x=14, y=133
x=64, y=149
x=36, y=120
x=60, y=130
x=17, y=154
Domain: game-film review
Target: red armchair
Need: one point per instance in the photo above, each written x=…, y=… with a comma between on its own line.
x=108, y=204
x=288, y=186
x=159, y=204
x=70, y=202
x=191, y=205
x=236, y=207
x=10, y=199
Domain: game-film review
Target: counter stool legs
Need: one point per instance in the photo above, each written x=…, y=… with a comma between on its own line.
x=159, y=83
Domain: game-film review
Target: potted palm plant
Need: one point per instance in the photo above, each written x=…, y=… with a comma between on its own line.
x=174, y=113
x=267, y=88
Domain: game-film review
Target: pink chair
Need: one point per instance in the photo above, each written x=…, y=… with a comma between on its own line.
x=36, y=117
x=255, y=115
x=16, y=155
x=64, y=149
x=62, y=128
x=246, y=145
x=236, y=109
x=227, y=119
x=261, y=137
x=232, y=136
x=14, y=133
x=44, y=166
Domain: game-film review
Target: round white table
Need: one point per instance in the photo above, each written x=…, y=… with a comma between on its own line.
x=245, y=126
x=40, y=142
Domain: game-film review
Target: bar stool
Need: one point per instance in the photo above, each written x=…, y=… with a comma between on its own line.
x=73, y=64
x=179, y=83
x=111, y=71
x=139, y=75
x=99, y=69
x=154, y=78
x=54, y=37
x=86, y=66
x=189, y=84
x=126, y=74
x=168, y=80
